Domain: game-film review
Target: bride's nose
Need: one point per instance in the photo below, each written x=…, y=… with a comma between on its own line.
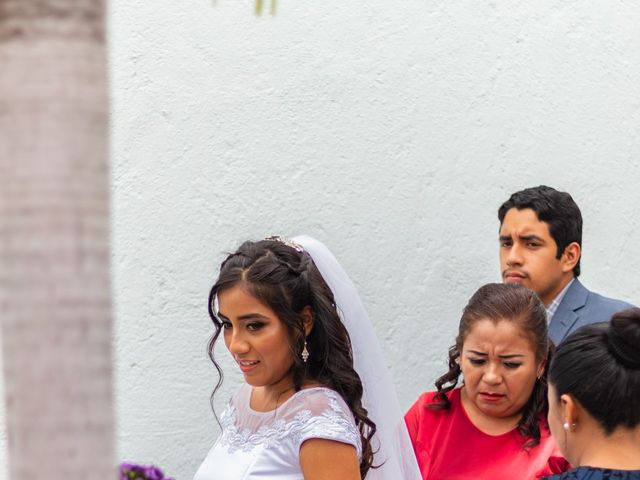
x=236, y=343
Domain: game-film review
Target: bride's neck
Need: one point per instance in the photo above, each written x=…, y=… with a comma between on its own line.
x=269, y=397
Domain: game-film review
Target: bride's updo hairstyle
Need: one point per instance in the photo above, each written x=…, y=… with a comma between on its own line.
x=282, y=275
x=513, y=303
x=599, y=365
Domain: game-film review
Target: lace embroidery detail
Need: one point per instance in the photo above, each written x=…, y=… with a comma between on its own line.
x=332, y=423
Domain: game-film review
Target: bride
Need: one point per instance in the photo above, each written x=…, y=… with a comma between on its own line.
x=318, y=401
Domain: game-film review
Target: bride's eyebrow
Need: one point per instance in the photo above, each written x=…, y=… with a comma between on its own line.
x=245, y=317
x=253, y=316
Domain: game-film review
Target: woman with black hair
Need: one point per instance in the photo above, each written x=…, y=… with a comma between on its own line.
x=494, y=425
x=289, y=316
x=594, y=399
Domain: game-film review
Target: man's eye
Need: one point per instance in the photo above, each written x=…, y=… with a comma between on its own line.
x=253, y=326
x=512, y=365
x=477, y=361
x=505, y=244
x=532, y=245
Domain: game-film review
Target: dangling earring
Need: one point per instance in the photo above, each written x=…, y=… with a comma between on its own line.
x=305, y=353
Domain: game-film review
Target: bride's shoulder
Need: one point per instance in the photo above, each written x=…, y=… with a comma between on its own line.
x=321, y=412
x=317, y=400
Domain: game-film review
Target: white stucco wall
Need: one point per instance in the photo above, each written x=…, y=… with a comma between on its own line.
x=390, y=130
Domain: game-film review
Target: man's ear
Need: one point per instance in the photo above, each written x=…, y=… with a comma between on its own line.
x=307, y=320
x=570, y=257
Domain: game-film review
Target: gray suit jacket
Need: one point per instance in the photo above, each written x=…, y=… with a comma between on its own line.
x=581, y=307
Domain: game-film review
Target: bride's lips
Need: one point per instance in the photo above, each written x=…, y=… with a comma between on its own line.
x=491, y=397
x=247, y=365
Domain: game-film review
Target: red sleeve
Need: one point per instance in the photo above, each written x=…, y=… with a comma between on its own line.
x=415, y=414
x=412, y=419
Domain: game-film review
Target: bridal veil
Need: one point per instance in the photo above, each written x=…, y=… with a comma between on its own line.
x=391, y=444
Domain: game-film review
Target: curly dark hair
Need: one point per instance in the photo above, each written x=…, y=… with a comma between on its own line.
x=504, y=302
x=286, y=280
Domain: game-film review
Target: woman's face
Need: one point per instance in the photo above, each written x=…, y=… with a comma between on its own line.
x=499, y=366
x=256, y=338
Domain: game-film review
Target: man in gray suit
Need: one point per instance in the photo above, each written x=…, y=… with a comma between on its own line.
x=540, y=247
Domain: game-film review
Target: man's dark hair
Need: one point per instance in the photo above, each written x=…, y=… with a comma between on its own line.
x=556, y=209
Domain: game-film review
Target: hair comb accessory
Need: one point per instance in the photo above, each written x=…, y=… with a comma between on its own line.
x=286, y=241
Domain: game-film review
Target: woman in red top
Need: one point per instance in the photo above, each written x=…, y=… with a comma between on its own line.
x=494, y=425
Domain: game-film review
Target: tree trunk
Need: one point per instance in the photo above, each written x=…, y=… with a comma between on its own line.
x=54, y=240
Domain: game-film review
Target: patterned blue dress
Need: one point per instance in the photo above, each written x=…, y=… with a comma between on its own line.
x=590, y=473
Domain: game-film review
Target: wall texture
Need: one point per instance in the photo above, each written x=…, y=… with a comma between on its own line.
x=390, y=130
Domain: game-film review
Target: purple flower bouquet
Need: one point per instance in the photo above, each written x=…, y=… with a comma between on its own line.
x=132, y=471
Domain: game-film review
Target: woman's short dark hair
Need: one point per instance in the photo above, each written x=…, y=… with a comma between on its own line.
x=515, y=303
x=599, y=365
x=556, y=209
x=284, y=278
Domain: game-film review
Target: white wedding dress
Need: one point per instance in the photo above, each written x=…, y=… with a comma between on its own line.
x=266, y=445
x=257, y=445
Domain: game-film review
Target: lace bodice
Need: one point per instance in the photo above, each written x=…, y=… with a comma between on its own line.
x=260, y=445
